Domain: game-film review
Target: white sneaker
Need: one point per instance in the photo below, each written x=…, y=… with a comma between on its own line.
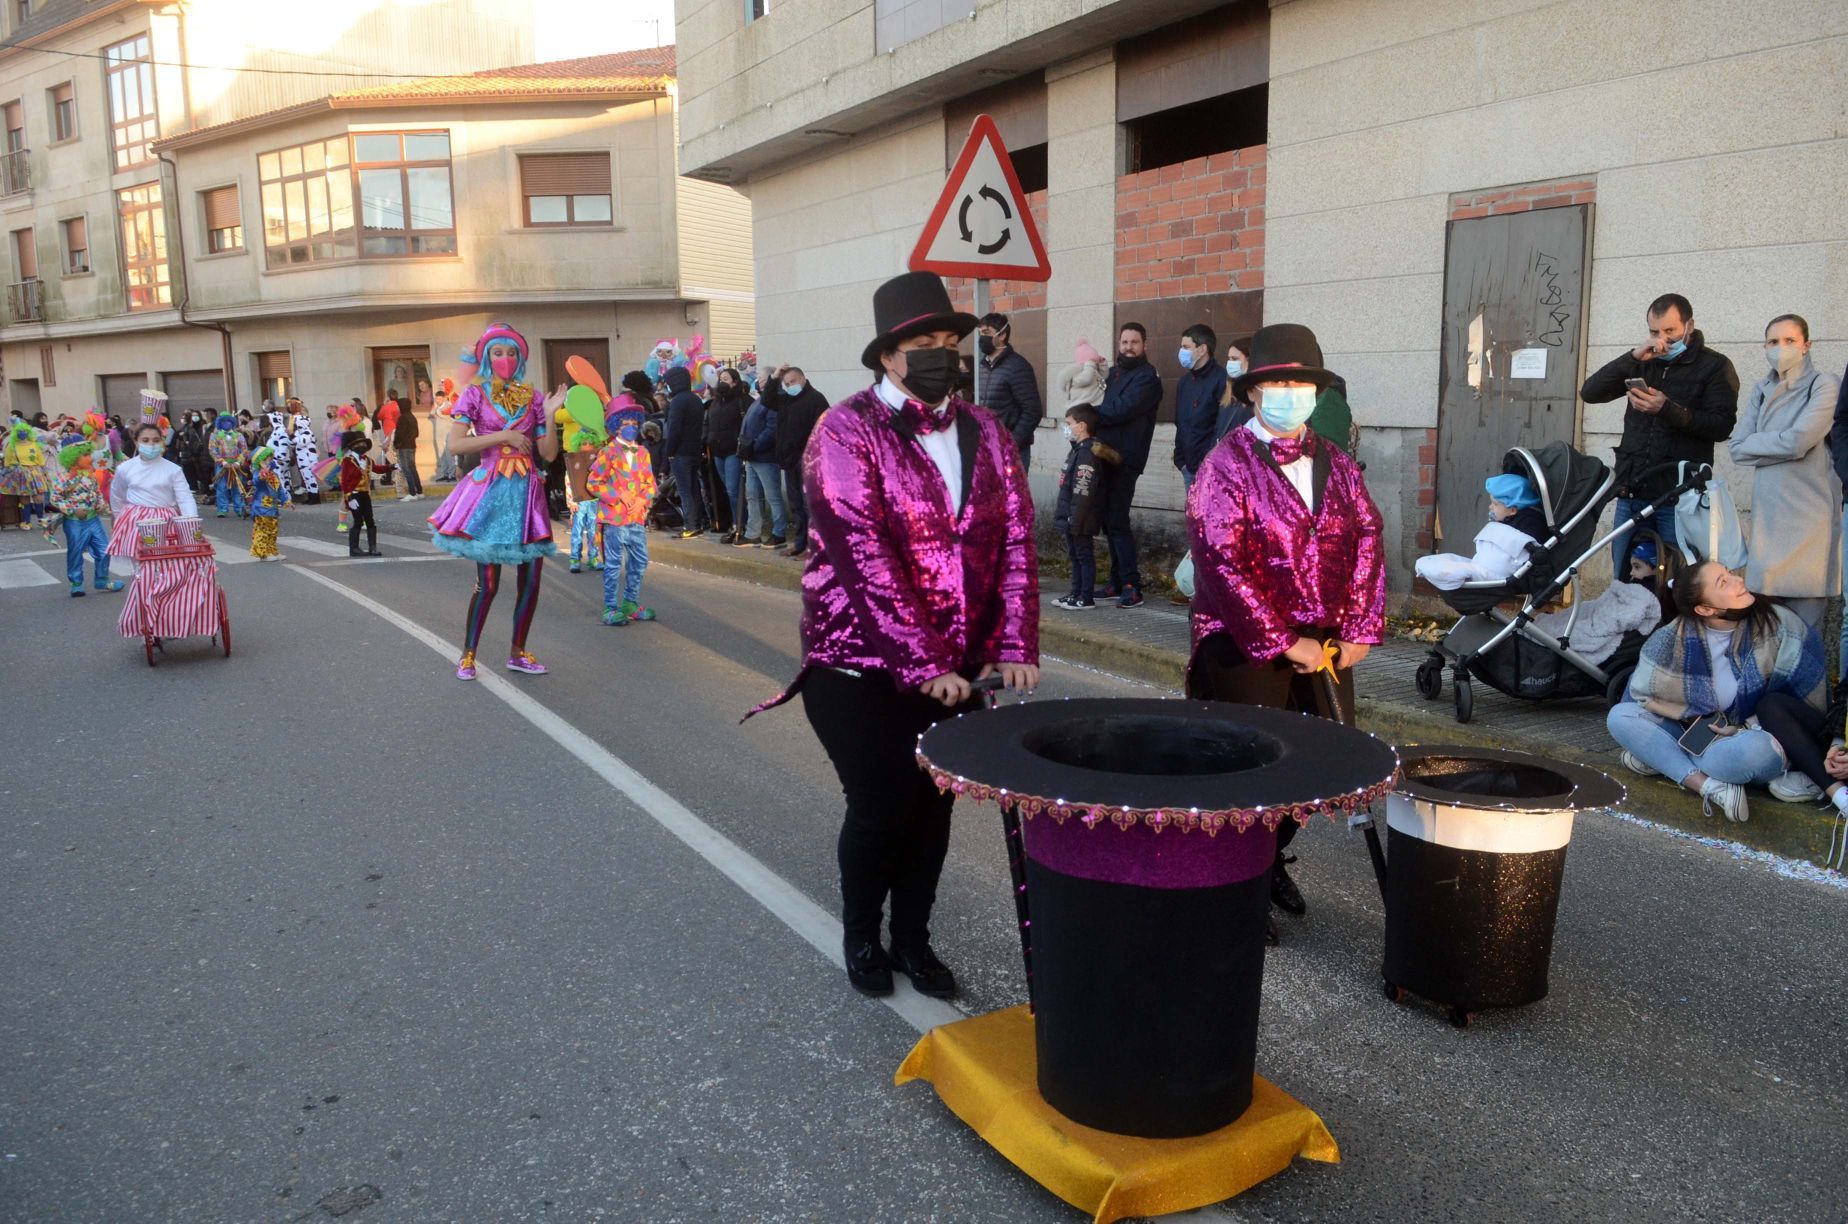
x=1730, y=797
x=1635, y=765
x=1795, y=787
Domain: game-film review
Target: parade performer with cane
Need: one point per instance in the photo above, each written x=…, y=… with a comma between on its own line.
x=1289, y=570
x=497, y=514
x=232, y=455
x=922, y=578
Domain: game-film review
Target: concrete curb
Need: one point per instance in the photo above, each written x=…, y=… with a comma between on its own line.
x=1797, y=831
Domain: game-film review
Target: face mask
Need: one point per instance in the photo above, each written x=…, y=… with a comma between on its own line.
x=629, y=434
x=1284, y=409
x=1067, y=431
x=1783, y=358
x=794, y=388
x=929, y=372
x=985, y=345
x=503, y=365
x=1186, y=359
x=1234, y=367
x=1675, y=350
x=148, y=450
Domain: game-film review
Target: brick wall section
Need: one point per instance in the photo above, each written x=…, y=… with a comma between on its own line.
x=1427, y=491
x=1555, y=193
x=1007, y=296
x=1192, y=228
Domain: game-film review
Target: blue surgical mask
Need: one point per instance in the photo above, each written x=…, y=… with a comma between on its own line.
x=1285, y=409
x=1186, y=359
x=1234, y=367
x=793, y=388
x=1675, y=350
x=148, y=450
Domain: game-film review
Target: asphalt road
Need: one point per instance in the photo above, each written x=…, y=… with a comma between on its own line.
x=317, y=928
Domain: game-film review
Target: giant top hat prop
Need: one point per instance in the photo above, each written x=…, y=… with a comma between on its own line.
x=1142, y=834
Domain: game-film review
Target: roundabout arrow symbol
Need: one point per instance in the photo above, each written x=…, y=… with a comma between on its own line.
x=991, y=247
x=988, y=192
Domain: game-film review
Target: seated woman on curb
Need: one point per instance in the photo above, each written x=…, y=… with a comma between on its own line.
x=1812, y=742
x=1725, y=652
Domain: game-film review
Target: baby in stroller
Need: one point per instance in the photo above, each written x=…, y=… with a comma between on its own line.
x=1514, y=522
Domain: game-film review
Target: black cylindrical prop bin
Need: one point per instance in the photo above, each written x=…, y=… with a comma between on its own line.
x=1475, y=859
x=1149, y=830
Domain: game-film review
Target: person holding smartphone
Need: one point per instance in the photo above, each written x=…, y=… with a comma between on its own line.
x=1680, y=398
x=1691, y=712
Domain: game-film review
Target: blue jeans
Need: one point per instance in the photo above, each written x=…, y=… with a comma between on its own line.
x=686, y=480
x=798, y=508
x=83, y=536
x=1744, y=757
x=625, y=558
x=730, y=471
x=1083, y=552
x=1119, y=492
x=1627, y=508
x=229, y=497
x=765, y=481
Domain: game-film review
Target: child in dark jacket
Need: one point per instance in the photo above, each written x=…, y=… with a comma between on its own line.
x=1080, y=509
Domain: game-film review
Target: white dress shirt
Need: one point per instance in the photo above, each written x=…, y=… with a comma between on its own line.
x=940, y=445
x=154, y=483
x=1300, y=473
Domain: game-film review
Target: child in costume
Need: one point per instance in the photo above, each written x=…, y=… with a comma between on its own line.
x=623, y=482
x=1514, y=523
x=79, y=498
x=22, y=461
x=356, y=472
x=497, y=515
x=1079, y=513
x=581, y=448
x=230, y=453
x=269, y=493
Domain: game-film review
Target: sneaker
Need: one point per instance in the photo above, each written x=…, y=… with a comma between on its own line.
x=111, y=585
x=1795, y=787
x=1130, y=598
x=869, y=970
x=615, y=616
x=1064, y=601
x=576, y=568
x=465, y=666
x=523, y=661
x=221, y=514
x=773, y=542
x=1635, y=765
x=691, y=535
x=76, y=590
x=929, y=976
x=1083, y=605
x=737, y=540
x=1728, y=796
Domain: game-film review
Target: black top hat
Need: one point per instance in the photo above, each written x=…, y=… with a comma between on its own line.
x=911, y=305
x=1283, y=352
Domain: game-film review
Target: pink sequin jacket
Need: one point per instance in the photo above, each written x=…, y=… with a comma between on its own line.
x=897, y=583
x=1266, y=567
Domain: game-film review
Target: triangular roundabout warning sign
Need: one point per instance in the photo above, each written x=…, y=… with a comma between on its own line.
x=981, y=226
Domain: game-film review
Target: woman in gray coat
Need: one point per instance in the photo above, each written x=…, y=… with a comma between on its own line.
x=1796, y=497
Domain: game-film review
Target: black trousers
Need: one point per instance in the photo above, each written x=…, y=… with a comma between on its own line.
x=1119, y=493
x=362, y=513
x=1220, y=671
x=1797, y=727
x=897, y=828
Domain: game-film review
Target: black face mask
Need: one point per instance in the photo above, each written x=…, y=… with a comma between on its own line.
x=929, y=373
x=987, y=345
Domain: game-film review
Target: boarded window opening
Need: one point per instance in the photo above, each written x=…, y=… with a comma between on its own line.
x=1215, y=125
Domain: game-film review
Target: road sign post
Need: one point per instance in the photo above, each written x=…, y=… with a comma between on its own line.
x=981, y=226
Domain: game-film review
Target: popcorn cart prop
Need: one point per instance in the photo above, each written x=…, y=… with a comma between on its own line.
x=1141, y=836
x=175, y=592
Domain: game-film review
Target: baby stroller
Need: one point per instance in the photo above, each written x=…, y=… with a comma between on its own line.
x=1505, y=650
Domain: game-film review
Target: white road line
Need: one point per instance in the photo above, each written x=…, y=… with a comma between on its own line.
x=18, y=574
x=387, y=559
x=787, y=903
x=325, y=548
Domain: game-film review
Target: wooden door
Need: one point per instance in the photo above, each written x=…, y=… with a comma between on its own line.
x=595, y=351
x=1513, y=342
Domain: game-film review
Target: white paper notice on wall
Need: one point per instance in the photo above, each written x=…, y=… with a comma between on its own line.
x=1528, y=363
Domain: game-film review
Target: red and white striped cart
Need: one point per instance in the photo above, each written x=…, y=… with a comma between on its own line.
x=175, y=591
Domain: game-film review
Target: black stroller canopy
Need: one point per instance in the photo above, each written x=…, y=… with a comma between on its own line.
x=1566, y=480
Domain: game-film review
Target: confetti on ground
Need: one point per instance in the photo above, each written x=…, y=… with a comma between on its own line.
x=1791, y=869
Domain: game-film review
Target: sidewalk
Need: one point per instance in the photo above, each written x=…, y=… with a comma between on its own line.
x=1151, y=643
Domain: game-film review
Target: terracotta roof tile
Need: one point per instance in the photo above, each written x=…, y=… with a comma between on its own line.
x=642, y=71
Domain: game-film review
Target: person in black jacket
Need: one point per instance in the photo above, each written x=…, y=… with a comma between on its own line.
x=1196, y=400
x=724, y=418
x=1132, y=393
x=796, y=416
x=1682, y=398
x=685, y=444
x=1009, y=389
x=1079, y=512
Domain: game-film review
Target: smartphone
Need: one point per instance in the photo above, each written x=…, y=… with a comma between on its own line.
x=1700, y=733
x=1635, y=384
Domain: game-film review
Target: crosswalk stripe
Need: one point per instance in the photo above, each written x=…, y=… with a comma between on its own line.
x=14, y=574
x=324, y=548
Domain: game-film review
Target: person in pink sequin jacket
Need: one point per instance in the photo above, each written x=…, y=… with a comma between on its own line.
x=921, y=578
x=1288, y=558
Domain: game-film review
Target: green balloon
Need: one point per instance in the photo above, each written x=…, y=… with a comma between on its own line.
x=585, y=408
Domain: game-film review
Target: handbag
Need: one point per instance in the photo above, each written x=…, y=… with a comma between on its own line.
x=1707, y=524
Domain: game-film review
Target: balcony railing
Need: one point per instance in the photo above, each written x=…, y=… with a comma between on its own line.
x=15, y=172
x=24, y=303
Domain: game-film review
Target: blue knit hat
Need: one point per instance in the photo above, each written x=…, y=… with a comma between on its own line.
x=1512, y=491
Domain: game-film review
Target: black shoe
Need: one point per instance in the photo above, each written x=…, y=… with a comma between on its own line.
x=1284, y=893
x=868, y=969
x=929, y=976
x=1270, y=931
x=375, y=553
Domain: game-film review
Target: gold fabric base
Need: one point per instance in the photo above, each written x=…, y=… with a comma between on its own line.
x=985, y=1070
